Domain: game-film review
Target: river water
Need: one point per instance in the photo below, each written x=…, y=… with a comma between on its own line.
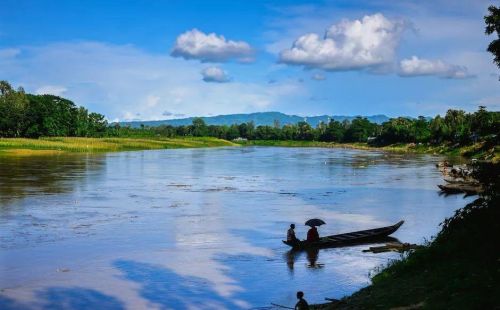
x=202, y=228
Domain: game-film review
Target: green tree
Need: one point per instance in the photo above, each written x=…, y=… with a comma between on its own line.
x=13, y=106
x=439, y=129
x=199, y=127
x=492, y=21
x=359, y=130
x=422, y=130
x=289, y=132
x=334, y=131
x=305, y=131
x=97, y=124
x=399, y=129
x=247, y=130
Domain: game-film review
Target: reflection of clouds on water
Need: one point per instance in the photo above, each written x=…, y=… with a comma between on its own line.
x=201, y=241
x=56, y=298
x=205, y=226
x=164, y=288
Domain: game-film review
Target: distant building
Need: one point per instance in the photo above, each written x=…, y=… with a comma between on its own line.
x=239, y=139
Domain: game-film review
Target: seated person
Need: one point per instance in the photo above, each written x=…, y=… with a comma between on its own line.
x=312, y=234
x=290, y=235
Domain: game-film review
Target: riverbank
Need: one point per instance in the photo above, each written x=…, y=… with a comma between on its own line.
x=457, y=270
x=56, y=145
x=480, y=150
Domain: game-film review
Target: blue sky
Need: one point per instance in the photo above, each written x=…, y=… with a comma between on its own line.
x=168, y=59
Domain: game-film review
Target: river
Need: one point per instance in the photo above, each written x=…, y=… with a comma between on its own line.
x=202, y=228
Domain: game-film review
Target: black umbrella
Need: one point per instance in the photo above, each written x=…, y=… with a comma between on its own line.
x=314, y=222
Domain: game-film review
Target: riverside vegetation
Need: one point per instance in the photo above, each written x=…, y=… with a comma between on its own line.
x=31, y=116
x=457, y=270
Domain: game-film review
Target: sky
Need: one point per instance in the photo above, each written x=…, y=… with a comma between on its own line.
x=150, y=60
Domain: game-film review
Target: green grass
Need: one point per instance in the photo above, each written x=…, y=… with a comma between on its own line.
x=23, y=146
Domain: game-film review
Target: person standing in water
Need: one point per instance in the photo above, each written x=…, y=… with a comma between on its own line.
x=302, y=303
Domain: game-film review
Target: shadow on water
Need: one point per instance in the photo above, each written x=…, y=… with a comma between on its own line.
x=170, y=290
x=24, y=176
x=312, y=254
x=57, y=298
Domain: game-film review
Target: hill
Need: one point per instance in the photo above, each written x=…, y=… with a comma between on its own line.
x=260, y=118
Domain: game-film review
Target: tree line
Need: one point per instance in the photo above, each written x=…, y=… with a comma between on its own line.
x=32, y=116
x=456, y=126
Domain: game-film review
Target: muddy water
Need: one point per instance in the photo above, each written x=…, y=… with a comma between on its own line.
x=201, y=228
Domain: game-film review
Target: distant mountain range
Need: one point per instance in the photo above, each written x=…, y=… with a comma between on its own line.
x=260, y=118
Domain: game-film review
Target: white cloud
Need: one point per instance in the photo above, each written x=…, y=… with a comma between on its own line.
x=120, y=81
x=415, y=66
x=318, y=77
x=215, y=74
x=51, y=90
x=211, y=47
x=348, y=45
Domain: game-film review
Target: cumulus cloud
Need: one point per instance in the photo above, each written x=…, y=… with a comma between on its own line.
x=318, y=77
x=51, y=90
x=349, y=45
x=211, y=47
x=120, y=81
x=415, y=66
x=215, y=75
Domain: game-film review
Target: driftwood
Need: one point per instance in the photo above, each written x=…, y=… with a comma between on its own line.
x=457, y=188
x=393, y=247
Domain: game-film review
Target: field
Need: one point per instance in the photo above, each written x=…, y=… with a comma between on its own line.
x=50, y=146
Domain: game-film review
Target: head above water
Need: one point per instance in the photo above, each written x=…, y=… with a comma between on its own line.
x=300, y=294
x=292, y=226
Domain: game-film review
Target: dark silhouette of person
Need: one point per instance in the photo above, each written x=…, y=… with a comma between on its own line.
x=312, y=234
x=290, y=235
x=302, y=303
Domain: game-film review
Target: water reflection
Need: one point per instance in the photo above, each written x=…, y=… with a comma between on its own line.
x=169, y=290
x=188, y=227
x=64, y=298
x=311, y=255
x=27, y=176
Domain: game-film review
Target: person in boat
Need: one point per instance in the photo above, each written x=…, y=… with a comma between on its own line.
x=302, y=303
x=312, y=234
x=290, y=234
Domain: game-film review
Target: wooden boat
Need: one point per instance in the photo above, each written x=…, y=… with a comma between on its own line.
x=355, y=237
x=461, y=188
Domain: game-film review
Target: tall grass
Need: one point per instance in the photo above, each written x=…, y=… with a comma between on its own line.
x=74, y=144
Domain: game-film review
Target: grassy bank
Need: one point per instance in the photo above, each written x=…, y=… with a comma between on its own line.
x=49, y=146
x=459, y=269
x=478, y=150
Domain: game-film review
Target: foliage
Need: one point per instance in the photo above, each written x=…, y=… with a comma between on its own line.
x=26, y=115
x=457, y=270
x=492, y=22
